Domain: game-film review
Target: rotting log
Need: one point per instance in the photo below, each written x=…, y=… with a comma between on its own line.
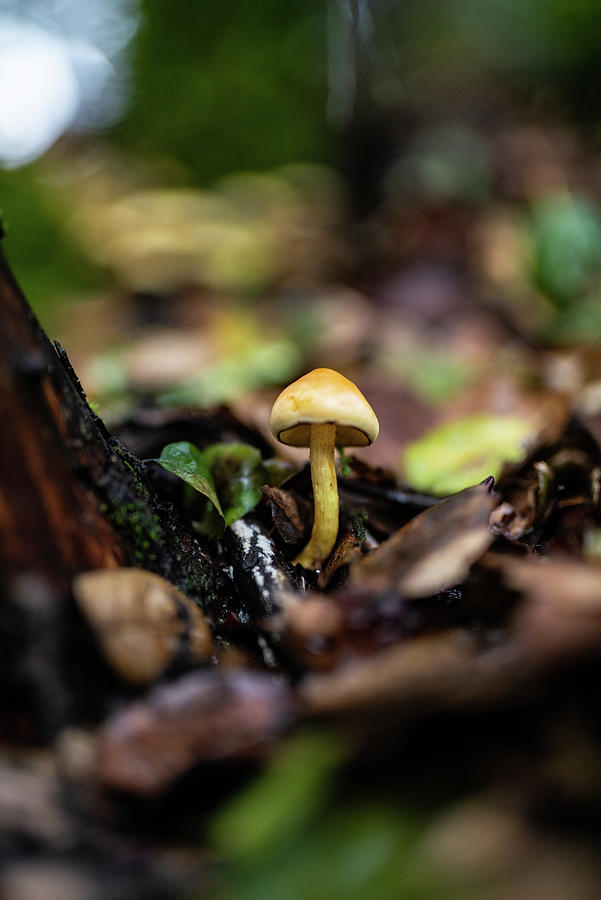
x=71, y=495
x=72, y=498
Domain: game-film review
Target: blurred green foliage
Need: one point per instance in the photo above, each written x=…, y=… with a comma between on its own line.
x=271, y=362
x=238, y=86
x=464, y=451
x=547, y=46
x=566, y=239
x=284, y=799
x=434, y=375
x=285, y=836
x=47, y=263
x=231, y=86
x=447, y=162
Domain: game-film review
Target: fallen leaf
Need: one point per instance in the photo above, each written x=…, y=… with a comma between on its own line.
x=530, y=501
x=427, y=672
x=292, y=515
x=347, y=551
x=203, y=716
x=559, y=616
x=435, y=550
x=568, y=583
x=458, y=453
x=143, y=624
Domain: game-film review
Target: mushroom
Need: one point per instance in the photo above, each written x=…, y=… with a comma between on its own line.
x=321, y=410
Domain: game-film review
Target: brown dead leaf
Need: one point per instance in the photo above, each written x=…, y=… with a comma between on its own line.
x=560, y=615
x=142, y=622
x=488, y=843
x=202, y=716
x=30, y=804
x=553, y=625
x=568, y=583
x=435, y=550
x=309, y=627
x=511, y=523
x=292, y=515
x=530, y=501
x=371, y=474
x=559, y=474
x=417, y=675
x=346, y=552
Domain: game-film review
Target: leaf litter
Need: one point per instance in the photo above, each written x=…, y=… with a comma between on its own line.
x=436, y=682
x=473, y=606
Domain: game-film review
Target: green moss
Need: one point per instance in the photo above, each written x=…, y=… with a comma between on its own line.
x=140, y=527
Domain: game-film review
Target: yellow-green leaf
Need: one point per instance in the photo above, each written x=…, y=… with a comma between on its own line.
x=457, y=454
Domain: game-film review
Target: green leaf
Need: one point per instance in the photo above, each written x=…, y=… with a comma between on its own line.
x=238, y=473
x=286, y=835
x=230, y=476
x=457, y=454
x=187, y=462
x=566, y=238
x=284, y=799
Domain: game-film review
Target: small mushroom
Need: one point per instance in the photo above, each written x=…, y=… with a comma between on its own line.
x=321, y=410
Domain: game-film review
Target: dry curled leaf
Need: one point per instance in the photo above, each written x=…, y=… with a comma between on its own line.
x=531, y=501
x=511, y=523
x=436, y=670
x=143, y=623
x=202, y=716
x=347, y=551
x=292, y=515
x=560, y=613
x=435, y=550
x=568, y=583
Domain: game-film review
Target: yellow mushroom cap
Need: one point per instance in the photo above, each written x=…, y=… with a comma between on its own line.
x=323, y=396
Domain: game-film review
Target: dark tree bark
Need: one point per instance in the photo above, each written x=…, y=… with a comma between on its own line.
x=72, y=498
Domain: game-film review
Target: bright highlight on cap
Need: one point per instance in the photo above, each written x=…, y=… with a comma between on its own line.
x=323, y=396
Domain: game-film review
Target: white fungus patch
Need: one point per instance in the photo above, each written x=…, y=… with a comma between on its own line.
x=252, y=540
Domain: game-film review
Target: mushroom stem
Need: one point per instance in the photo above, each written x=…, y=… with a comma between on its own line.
x=325, y=497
